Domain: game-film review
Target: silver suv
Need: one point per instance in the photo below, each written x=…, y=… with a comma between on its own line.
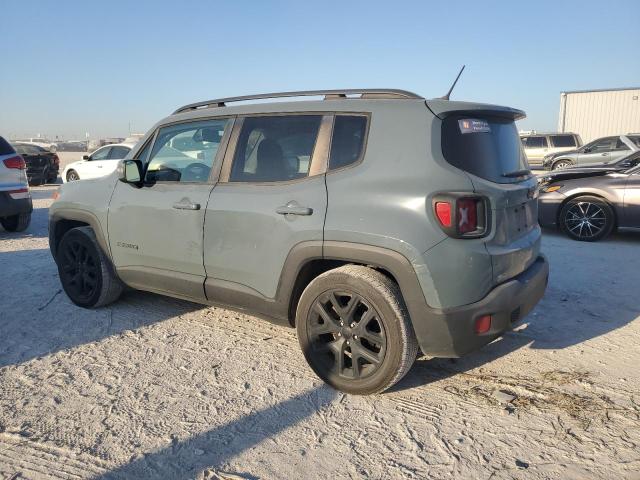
x=374, y=221
x=15, y=198
x=538, y=146
x=602, y=150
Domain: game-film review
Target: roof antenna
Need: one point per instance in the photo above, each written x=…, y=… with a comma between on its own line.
x=446, y=97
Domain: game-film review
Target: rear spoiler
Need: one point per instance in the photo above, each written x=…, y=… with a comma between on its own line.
x=443, y=108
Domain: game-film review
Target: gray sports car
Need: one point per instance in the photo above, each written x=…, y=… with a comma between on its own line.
x=588, y=203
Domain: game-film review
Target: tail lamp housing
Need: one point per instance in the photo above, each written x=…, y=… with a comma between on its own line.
x=462, y=215
x=16, y=162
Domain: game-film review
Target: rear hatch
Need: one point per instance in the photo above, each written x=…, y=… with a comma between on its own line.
x=483, y=141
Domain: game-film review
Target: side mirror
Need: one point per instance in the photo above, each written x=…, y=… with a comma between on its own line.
x=86, y=157
x=130, y=171
x=586, y=150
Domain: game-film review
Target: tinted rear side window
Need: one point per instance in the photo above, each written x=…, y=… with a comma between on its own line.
x=488, y=147
x=563, y=140
x=5, y=147
x=348, y=140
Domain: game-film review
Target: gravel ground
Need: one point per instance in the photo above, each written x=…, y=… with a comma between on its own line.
x=152, y=387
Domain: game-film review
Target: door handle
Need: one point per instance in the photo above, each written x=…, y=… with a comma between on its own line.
x=294, y=208
x=186, y=205
x=605, y=154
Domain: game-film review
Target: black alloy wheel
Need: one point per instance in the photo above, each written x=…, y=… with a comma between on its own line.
x=347, y=338
x=79, y=270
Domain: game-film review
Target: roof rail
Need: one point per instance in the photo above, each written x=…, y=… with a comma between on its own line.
x=328, y=95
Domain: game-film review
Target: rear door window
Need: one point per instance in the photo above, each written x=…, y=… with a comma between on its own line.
x=348, y=140
x=620, y=145
x=563, y=140
x=488, y=147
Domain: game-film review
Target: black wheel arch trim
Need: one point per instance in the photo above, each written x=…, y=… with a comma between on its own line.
x=281, y=309
x=78, y=217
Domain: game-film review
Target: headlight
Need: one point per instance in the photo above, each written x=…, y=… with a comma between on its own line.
x=551, y=188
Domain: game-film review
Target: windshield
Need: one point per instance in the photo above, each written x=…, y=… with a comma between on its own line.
x=488, y=147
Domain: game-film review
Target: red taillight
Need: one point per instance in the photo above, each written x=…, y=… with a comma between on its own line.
x=467, y=215
x=461, y=215
x=15, y=162
x=443, y=212
x=482, y=324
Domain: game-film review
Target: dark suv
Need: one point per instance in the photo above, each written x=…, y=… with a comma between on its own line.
x=374, y=221
x=42, y=164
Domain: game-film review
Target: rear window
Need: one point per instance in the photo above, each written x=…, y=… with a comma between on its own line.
x=563, y=140
x=488, y=147
x=5, y=147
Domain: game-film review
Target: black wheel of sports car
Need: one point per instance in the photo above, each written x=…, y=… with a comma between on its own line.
x=86, y=274
x=587, y=218
x=72, y=176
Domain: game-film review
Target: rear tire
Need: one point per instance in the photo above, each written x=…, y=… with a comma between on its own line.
x=86, y=274
x=72, y=176
x=587, y=218
x=355, y=331
x=16, y=223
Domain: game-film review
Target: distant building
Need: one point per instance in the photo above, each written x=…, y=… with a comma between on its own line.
x=598, y=113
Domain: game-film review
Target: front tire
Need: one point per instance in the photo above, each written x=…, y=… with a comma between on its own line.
x=16, y=223
x=86, y=274
x=354, y=330
x=72, y=176
x=587, y=218
x=561, y=164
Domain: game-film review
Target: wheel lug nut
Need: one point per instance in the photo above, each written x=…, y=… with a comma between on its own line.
x=355, y=337
x=348, y=342
x=342, y=324
x=339, y=334
x=353, y=324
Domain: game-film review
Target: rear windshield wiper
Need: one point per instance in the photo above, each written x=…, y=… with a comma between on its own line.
x=525, y=172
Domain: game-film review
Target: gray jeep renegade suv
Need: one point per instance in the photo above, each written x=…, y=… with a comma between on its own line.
x=374, y=221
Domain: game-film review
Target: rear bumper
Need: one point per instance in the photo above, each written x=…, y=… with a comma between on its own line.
x=11, y=206
x=450, y=332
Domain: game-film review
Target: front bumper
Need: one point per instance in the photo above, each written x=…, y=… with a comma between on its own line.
x=450, y=332
x=11, y=206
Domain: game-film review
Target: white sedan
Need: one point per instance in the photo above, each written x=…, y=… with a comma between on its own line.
x=101, y=162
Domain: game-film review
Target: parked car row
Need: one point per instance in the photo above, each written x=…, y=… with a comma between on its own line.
x=555, y=151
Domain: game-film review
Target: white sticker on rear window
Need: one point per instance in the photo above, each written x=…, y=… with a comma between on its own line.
x=473, y=125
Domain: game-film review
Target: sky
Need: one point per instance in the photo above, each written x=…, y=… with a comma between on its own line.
x=107, y=67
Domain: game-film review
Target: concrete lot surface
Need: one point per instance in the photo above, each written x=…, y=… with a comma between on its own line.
x=152, y=387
